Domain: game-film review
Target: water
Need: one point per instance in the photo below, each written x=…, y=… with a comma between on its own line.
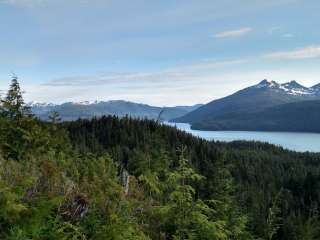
x=300, y=142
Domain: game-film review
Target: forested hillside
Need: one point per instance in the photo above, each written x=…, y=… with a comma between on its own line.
x=278, y=191
x=112, y=178
x=291, y=117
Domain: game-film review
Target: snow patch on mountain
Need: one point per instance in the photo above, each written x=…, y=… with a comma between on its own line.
x=86, y=103
x=40, y=104
x=292, y=88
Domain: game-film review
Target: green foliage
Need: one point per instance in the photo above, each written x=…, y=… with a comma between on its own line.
x=242, y=178
x=304, y=228
x=273, y=219
x=117, y=179
x=185, y=216
x=13, y=105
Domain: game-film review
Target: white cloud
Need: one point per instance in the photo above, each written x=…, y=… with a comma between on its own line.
x=288, y=35
x=139, y=78
x=99, y=79
x=187, y=84
x=234, y=33
x=302, y=53
x=206, y=65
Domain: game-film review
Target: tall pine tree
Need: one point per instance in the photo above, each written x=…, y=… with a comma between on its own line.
x=13, y=105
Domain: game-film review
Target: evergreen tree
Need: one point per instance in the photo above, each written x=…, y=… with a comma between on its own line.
x=13, y=105
x=273, y=220
x=187, y=217
x=55, y=117
x=20, y=132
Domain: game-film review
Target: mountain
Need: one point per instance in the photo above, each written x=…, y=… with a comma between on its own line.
x=301, y=116
x=316, y=88
x=250, y=100
x=189, y=108
x=74, y=110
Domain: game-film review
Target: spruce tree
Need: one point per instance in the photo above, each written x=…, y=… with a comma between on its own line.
x=13, y=105
x=186, y=216
x=18, y=129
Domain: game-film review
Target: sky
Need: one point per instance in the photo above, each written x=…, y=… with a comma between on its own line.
x=159, y=52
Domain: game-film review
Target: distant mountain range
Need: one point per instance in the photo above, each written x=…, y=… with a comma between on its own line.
x=74, y=110
x=267, y=106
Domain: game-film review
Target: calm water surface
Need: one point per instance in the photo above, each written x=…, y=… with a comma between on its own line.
x=300, y=142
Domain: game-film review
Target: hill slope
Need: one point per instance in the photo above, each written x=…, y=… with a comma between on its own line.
x=292, y=117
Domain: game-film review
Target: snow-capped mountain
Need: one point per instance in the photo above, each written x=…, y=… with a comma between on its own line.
x=252, y=99
x=292, y=87
x=43, y=104
x=40, y=104
x=86, y=103
x=316, y=88
x=89, y=109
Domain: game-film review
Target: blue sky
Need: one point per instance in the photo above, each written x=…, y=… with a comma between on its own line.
x=164, y=52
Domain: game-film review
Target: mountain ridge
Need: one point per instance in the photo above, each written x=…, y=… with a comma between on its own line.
x=301, y=116
x=254, y=99
x=88, y=109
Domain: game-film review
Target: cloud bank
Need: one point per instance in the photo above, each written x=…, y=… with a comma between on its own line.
x=302, y=53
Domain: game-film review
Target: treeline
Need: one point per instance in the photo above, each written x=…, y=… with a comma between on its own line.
x=112, y=178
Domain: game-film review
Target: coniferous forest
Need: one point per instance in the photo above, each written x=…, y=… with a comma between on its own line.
x=124, y=178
